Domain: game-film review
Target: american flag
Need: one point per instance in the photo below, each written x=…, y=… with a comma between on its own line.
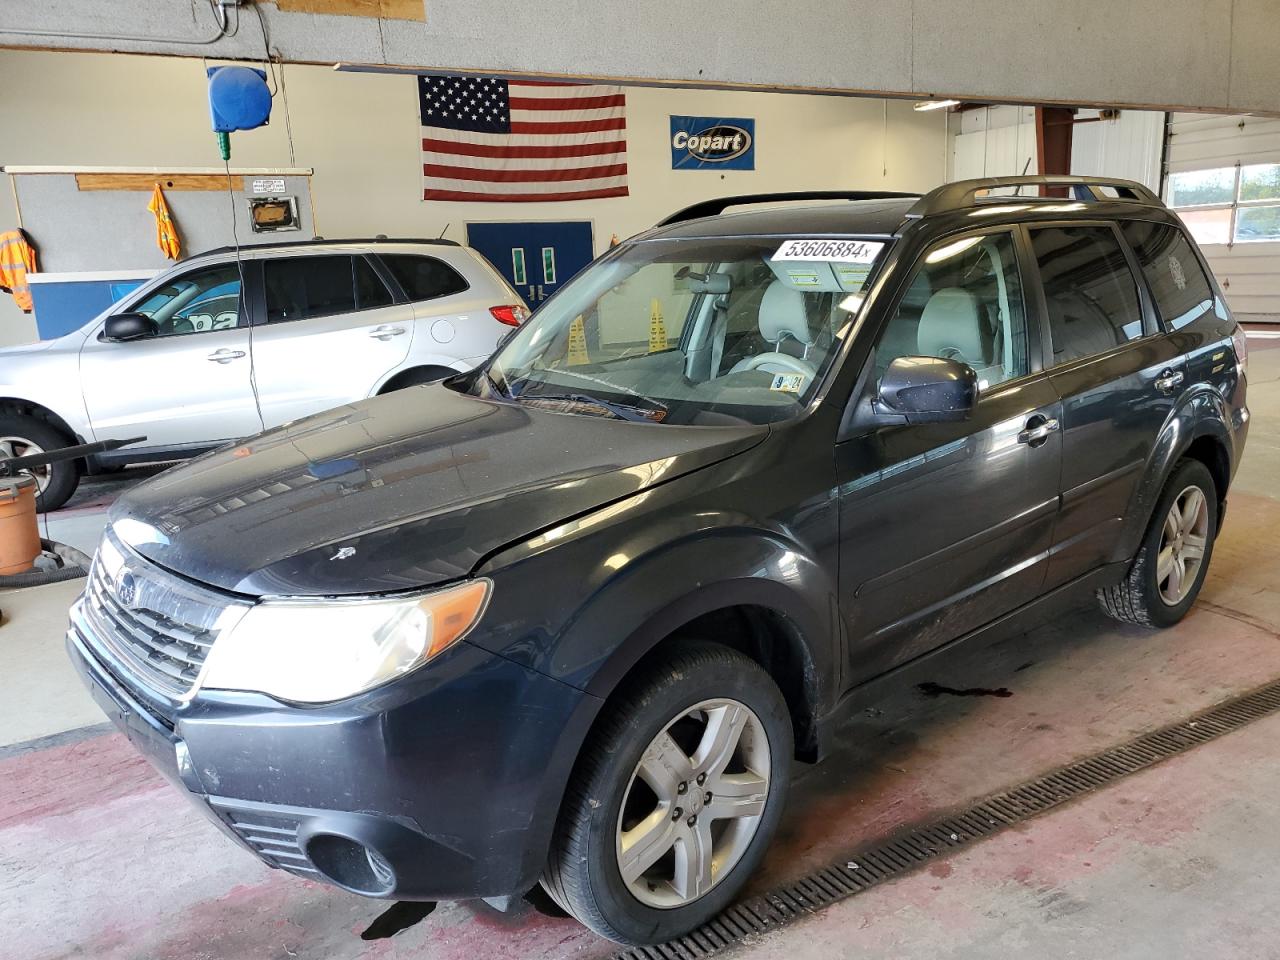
x=484, y=138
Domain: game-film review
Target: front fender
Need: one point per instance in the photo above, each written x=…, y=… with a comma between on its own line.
x=633, y=591
x=1201, y=412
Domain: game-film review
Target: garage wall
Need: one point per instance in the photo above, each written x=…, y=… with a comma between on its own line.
x=361, y=135
x=1249, y=272
x=999, y=141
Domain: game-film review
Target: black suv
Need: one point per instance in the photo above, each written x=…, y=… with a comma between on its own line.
x=569, y=618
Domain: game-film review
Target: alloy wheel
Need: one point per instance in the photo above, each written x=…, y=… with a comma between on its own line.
x=22, y=447
x=693, y=804
x=1182, y=544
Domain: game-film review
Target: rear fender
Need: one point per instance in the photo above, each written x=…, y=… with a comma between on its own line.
x=1201, y=412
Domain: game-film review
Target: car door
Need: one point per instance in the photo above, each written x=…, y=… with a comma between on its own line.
x=333, y=331
x=946, y=526
x=188, y=385
x=1118, y=376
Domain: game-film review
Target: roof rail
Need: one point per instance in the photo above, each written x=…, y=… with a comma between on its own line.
x=963, y=193
x=319, y=241
x=716, y=206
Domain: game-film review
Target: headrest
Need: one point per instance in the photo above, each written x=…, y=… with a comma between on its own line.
x=783, y=314
x=951, y=327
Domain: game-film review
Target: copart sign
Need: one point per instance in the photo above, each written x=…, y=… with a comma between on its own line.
x=700, y=143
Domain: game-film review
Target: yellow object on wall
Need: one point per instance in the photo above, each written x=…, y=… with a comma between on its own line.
x=657, y=328
x=166, y=233
x=17, y=259
x=577, y=343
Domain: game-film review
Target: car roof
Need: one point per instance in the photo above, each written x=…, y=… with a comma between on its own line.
x=879, y=218
x=884, y=214
x=323, y=244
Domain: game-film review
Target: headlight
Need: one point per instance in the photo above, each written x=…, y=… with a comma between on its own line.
x=315, y=651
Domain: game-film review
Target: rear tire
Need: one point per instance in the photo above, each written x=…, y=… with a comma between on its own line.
x=1171, y=564
x=708, y=719
x=21, y=434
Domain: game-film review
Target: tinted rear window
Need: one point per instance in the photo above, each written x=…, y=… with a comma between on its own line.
x=305, y=287
x=424, y=278
x=1089, y=289
x=1178, y=284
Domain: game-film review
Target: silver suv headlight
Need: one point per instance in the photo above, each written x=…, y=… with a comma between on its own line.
x=317, y=651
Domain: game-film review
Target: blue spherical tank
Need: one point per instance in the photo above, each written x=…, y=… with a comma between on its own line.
x=239, y=98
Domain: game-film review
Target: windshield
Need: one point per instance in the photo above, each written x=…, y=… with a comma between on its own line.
x=725, y=331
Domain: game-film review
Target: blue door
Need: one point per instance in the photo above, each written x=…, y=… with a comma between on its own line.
x=536, y=258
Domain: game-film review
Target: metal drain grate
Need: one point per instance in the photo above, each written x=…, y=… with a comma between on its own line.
x=915, y=846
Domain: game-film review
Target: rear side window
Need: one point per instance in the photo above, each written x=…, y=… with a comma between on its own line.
x=424, y=278
x=1178, y=284
x=306, y=287
x=1089, y=289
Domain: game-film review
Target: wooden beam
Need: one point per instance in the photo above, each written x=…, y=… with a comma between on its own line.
x=146, y=182
x=1053, y=144
x=386, y=9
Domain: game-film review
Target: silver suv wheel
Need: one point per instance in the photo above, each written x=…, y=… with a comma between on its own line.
x=22, y=447
x=1182, y=542
x=691, y=811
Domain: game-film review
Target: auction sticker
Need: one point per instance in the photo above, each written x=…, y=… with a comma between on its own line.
x=830, y=251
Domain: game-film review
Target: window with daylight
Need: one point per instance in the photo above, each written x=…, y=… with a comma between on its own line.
x=1239, y=204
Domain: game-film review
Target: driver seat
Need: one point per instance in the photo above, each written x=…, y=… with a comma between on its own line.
x=782, y=315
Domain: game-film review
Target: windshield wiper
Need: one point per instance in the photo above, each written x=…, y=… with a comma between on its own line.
x=621, y=411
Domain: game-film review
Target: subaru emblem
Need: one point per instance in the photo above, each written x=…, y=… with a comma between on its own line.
x=127, y=590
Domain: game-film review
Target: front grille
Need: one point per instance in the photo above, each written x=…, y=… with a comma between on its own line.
x=273, y=836
x=157, y=626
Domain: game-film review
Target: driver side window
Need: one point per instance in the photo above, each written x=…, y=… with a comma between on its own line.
x=196, y=302
x=964, y=303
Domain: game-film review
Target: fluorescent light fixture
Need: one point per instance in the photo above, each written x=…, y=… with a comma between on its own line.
x=923, y=105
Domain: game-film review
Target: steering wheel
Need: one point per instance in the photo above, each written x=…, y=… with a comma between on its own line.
x=775, y=359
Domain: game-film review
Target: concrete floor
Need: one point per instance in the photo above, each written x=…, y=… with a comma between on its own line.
x=100, y=858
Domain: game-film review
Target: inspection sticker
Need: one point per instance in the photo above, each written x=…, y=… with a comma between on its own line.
x=788, y=382
x=830, y=251
x=803, y=278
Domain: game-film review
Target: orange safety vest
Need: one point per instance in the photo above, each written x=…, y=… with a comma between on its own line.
x=17, y=259
x=166, y=232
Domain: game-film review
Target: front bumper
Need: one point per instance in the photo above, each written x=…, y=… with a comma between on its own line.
x=442, y=786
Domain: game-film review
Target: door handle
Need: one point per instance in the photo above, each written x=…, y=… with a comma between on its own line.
x=385, y=333
x=225, y=356
x=1037, y=431
x=1169, y=380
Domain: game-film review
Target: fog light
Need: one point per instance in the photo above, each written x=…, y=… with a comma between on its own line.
x=187, y=769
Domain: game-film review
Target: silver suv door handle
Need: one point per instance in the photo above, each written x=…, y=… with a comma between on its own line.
x=1170, y=379
x=385, y=332
x=1038, y=433
x=225, y=356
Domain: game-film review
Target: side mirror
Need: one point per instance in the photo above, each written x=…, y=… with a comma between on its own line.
x=928, y=389
x=129, y=326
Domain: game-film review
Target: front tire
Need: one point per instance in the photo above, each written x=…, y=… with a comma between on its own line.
x=675, y=797
x=22, y=435
x=1172, y=562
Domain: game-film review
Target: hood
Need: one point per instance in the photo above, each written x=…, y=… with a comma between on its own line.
x=26, y=348
x=397, y=492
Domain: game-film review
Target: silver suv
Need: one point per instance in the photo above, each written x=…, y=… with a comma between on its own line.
x=217, y=349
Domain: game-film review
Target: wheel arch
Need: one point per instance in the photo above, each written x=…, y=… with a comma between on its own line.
x=1198, y=428
x=776, y=608
x=29, y=408
x=398, y=379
